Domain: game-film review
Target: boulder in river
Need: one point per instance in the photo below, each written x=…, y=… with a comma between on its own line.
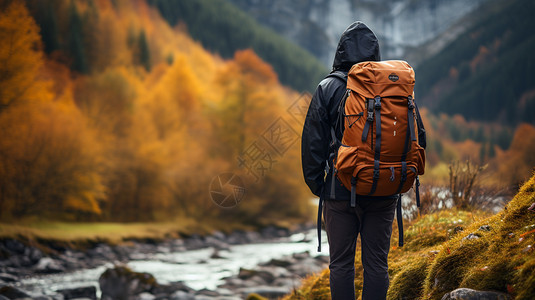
x=12, y=293
x=246, y=274
x=8, y=277
x=121, y=283
x=87, y=292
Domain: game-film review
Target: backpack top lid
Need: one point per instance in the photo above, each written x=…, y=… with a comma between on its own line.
x=381, y=78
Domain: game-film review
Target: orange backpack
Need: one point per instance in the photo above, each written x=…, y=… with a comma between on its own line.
x=379, y=153
x=382, y=148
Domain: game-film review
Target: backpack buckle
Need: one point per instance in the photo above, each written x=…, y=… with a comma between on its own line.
x=377, y=103
x=375, y=174
x=369, y=117
x=411, y=103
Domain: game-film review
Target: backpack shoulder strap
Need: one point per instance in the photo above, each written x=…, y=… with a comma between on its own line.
x=338, y=74
x=421, y=129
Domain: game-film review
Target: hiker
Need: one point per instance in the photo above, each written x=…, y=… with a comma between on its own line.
x=372, y=217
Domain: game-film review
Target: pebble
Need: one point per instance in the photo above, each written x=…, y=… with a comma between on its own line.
x=484, y=228
x=469, y=294
x=471, y=236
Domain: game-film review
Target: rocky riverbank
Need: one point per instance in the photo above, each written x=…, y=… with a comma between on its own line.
x=273, y=278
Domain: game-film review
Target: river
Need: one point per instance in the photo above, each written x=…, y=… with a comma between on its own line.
x=195, y=268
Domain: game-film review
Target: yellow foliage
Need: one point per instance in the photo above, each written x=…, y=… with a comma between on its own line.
x=128, y=143
x=20, y=58
x=515, y=165
x=49, y=162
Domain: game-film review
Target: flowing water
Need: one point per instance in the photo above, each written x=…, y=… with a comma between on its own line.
x=195, y=268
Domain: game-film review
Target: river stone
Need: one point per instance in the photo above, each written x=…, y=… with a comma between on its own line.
x=254, y=236
x=145, y=296
x=33, y=254
x=469, y=294
x=246, y=274
x=50, y=298
x=277, y=262
x=181, y=295
x=170, y=288
x=276, y=272
x=219, y=235
x=215, y=243
x=271, y=232
x=102, y=251
x=206, y=292
x=272, y=292
x=89, y=292
x=306, y=266
x=17, y=261
x=48, y=265
x=8, y=277
x=301, y=256
x=204, y=297
x=123, y=283
x=12, y=293
x=14, y=246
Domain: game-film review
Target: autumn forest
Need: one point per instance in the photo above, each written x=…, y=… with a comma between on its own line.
x=128, y=119
x=109, y=113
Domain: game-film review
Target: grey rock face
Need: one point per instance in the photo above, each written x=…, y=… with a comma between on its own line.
x=400, y=25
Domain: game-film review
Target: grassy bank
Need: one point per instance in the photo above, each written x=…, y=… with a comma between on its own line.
x=453, y=249
x=81, y=235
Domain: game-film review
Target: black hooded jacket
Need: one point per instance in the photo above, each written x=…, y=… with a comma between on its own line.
x=357, y=44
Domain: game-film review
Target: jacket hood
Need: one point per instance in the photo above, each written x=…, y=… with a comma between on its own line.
x=357, y=44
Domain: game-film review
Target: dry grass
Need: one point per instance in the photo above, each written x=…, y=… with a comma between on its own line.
x=77, y=234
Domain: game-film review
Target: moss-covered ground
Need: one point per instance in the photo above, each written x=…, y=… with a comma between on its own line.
x=451, y=249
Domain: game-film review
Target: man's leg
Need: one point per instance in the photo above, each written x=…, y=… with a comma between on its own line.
x=375, y=238
x=342, y=226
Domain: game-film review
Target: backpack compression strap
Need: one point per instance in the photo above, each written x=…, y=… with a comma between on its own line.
x=410, y=135
x=400, y=221
x=377, y=157
x=369, y=120
x=318, y=224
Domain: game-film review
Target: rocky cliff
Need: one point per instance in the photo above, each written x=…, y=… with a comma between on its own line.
x=401, y=25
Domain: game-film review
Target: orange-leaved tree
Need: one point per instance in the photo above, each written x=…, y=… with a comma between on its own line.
x=49, y=159
x=20, y=58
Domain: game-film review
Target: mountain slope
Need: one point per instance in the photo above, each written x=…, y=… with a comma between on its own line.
x=487, y=73
x=224, y=29
x=401, y=25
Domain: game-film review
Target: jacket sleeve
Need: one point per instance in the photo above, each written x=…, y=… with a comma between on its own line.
x=315, y=141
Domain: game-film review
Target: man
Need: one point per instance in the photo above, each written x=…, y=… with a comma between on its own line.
x=372, y=217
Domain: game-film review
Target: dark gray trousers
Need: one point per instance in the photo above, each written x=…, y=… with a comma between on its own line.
x=373, y=220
